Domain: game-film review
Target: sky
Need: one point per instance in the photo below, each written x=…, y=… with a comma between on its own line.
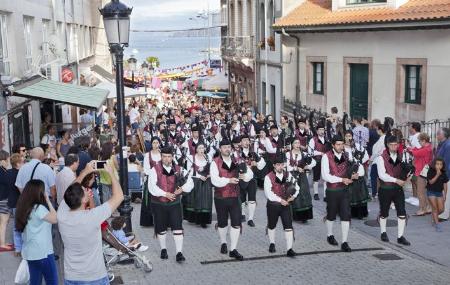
x=167, y=14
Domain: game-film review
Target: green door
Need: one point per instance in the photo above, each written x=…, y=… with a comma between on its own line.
x=359, y=90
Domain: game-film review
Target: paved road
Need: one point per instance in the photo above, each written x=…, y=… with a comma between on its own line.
x=319, y=263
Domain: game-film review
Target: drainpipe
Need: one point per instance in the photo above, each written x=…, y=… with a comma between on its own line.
x=297, y=51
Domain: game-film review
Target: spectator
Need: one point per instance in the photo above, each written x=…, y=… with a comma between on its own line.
x=83, y=155
x=35, y=169
x=4, y=194
x=443, y=151
x=437, y=190
x=414, y=132
x=64, y=145
x=50, y=137
x=16, y=162
x=422, y=157
x=377, y=150
x=118, y=224
x=134, y=117
x=66, y=176
x=87, y=184
x=20, y=149
x=86, y=118
x=81, y=233
x=360, y=133
x=34, y=218
x=373, y=135
x=107, y=154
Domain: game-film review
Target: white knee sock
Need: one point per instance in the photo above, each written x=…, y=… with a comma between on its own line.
x=234, y=237
x=271, y=234
x=251, y=210
x=345, y=226
x=178, y=242
x=223, y=234
x=316, y=187
x=329, y=228
x=401, y=227
x=162, y=240
x=289, y=235
x=383, y=222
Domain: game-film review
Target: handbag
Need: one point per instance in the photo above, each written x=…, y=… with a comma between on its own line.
x=424, y=171
x=22, y=274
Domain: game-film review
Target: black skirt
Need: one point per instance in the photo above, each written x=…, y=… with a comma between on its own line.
x=146, y=219
x=198, y=207
x=302, y=205
x=359, y=196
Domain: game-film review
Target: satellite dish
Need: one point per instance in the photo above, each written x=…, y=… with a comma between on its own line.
x=55, y=46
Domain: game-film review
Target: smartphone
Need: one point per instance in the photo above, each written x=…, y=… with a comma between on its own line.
x=100, y=164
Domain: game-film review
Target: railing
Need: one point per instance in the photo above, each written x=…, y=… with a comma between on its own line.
x=431, y=128
x=238, y=47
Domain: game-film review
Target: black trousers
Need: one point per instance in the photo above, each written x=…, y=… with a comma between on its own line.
x=167, y=216
x=387, y=196
x=276, y=210
x=248, y=189
x=317, y=170
x=228, y=208
x=338, y=202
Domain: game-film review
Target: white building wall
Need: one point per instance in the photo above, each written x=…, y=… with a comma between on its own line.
x=384, y=48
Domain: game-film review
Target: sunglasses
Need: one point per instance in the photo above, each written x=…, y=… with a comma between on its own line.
x=23, y=150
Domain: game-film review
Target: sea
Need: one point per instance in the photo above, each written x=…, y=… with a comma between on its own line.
x=172, y=51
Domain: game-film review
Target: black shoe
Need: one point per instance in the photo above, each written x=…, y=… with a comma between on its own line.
x=402, y=240
x=164, y=254
x=236, y=255
x=56, y=257
x=204, y=226
x=291, y=253
x=250, y=223
x=384, y=237
x=345, y=247
x=224, y=249
x=243, y=218
x=180, y=258
x=272, y=248
x=324, y=199
x=442, y=220
x=331, y=240
x=316, y=197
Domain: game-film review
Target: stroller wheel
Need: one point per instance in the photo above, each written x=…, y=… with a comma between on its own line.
x=111, y=276
x=148, y=267
x=137, y=263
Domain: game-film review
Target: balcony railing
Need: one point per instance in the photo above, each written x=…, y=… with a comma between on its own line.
x=242, y=47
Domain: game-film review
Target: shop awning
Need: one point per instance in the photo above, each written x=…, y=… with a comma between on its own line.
x=111, y=88
x=81, y=96
x=212, y=95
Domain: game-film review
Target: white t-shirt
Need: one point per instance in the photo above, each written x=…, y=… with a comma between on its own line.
x=82, y=238
x=50, y=140
x=134, y=114
x=105, y=118
x=63, y=180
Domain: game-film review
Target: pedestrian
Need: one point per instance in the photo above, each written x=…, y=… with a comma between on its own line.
x=422, y=157
x=4, y=194
x=66, y=176
x=108, y=155
x=17, y=162
x=443, y=151
x=34, y=218
x=80, y=229
x=437, y=180
x=64, y=144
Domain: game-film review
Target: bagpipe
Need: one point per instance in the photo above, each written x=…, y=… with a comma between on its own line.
x=241, y=165
x=407, y=166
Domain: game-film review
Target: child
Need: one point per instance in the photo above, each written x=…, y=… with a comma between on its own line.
x=118, y=224
x=437, y=190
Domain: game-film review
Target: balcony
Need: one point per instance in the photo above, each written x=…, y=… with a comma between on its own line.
x=238, y=47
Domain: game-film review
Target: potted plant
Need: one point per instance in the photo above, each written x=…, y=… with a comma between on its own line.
x=271, y=43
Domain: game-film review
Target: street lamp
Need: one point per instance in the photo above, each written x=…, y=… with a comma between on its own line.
x=132, y=61
x=144, y=67
x=116, y=18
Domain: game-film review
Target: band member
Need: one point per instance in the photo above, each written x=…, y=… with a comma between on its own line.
x=166, y=201
x=298, y=163
x=318, y=146
x=174, y=135
x=260, y=149
x=335, y=169
x=272, y=145
x=302, y=134
x=198, y=208
x=359, y=194
x=193, y=141
x=150, y=160
x=225, y=177
x=248, y=190
x=278, y=204
x=389, y=166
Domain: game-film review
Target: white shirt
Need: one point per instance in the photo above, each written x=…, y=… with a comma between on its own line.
x=378, y=148
x=158, y=192
x=270, y=195
x=326, y=175
x=155, y=157
x=49, y=139
x=134, y=115
x=298, y=158
x=382, y=174
x=414, y=140
x=105, y=118
x=219, y=181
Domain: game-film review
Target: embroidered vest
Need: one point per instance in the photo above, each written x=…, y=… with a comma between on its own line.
x=339, y=169
x=229, y=190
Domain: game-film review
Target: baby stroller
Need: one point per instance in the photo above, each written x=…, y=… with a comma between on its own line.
x=114, y=252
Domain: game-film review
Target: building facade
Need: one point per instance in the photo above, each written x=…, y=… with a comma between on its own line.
x=58, y=39
x=370, y=58
x=238, y=48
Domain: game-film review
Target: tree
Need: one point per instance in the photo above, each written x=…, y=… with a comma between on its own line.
x=153, y=60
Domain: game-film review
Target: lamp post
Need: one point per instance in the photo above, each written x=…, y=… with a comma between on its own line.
x=144, y=67
x=116, y=18
x=132, y=61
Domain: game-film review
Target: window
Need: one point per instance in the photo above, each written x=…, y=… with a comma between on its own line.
x=413, y=88
x=350, y=2
x=4, y=61
x=27, y=28
x=318, y=77
x=45, y=43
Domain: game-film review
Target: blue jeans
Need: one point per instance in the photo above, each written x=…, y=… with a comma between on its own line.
x=43, y=268
x=374, y=179
x=102, y=281
x=17, y=236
